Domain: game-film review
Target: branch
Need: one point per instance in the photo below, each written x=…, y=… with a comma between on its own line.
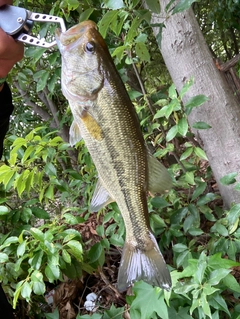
x=229, y=64
x=36, y=108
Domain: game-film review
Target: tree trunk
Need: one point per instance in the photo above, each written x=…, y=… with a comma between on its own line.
x=186, y=54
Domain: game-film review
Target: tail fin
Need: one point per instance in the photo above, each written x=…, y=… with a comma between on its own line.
x=148, y=265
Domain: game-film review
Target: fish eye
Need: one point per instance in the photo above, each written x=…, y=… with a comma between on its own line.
x=90, y=47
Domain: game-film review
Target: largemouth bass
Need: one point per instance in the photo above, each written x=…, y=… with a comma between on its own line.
x=106, y=119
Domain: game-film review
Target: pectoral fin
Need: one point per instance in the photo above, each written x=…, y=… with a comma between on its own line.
x=74, y=133
x=159, y=179
x=92, y=126
x=101, y=198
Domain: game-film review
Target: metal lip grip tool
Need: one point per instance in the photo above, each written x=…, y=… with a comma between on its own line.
x=18, y=23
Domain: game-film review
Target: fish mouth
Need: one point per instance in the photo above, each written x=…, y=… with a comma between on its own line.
x=70, y=37
x=83, y=32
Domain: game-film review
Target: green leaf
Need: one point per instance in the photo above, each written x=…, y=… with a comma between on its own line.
x=71, y=234
x=71, y=219
x=3, y=258
x=155, y=301
x=26, y=214
x=233, y=218
x=183, y=313
x=119, y=52
x=222, y=303
x=37, y=234
x=167, y=110
x=3, y=210
x=66, y=256
x=184, y=288
x=20, y=182
x=93, y=316
x=183, y=5
x=237, y=187
x=231, y=282
x=205, y=305
x=182, y=258
x=106, y=21
x=182, y=126
x=160, y=27
x=200, y=153
x=9, y=241
x=220, y=229
x=73, y=4
x=193, y=220
x=172, y=92
x=189, y=178
x=194, y=102
x=179, y=248
x=49, y=193
x=54, y=315
x=142, y=51
x=217, y=275
x=186, y=87
x=228, y=179
x=114, y=4
x=208, y=289
x=39, y=288
x=36, y=276
x=202, y=266
x=42, y=81
x=133, y=30
x=75, y=248
x=52, y=272
x=21, y=248
x=172, y=133
x=95, y=252
x=17, y=292
x=201, y=125
x=50, y=169
x=36, y=260
x=154, y=6
x=40, y=213
x=26, y=291
x=113, y=312
x=186, y=154
x=190, y=270
x=216, y=262
x=199, y=190
x=86, y=14
x=158, y=221
x=207, y=198
x=159, y=202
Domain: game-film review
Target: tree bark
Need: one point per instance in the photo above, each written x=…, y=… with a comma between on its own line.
x=186, y=54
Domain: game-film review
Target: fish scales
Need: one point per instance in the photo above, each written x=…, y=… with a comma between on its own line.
x=118, y=155
x=106, y=119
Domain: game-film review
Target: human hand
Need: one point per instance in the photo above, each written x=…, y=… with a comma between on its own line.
x=11, y=51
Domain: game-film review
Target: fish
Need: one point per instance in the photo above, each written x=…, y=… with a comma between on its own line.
x=104, y=116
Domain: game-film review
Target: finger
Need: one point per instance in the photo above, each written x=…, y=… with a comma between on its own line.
x=10, y=48
x=2, y=2
x=5, y=67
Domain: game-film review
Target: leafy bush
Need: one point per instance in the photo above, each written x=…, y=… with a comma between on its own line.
x=46, y=186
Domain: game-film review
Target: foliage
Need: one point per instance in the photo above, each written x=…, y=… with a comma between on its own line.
x=219, y=22
x=46, y=185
